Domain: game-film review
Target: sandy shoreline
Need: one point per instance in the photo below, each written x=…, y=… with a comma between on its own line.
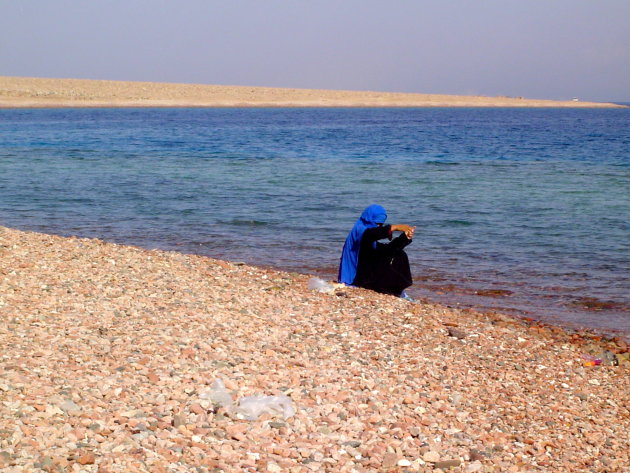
x=108, y=350
x=28, y=92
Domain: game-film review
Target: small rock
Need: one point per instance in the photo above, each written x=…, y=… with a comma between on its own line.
x=277, y=425
x=179, y=420
x=139, y=427
x=404, y=462
x=153, y=377
x=446, y=464
x=197, y=409
x=473, y=467
x=273, y=467
x=44, y=463
x=609, y=358
x=353, y=452
x=352, y=443
x=390, y=460
x=456, y=333
x=86, y=459
x=475, y=455
x=70, y=408
x=623, y=359
x=431, y=456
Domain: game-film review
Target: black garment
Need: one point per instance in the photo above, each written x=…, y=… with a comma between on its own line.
x=383, y=267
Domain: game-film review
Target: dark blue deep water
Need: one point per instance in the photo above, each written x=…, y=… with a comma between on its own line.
x=522, y=210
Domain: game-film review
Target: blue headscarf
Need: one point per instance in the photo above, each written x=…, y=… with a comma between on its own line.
x=371, y=216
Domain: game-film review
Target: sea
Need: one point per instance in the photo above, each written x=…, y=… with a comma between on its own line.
x=523, y=211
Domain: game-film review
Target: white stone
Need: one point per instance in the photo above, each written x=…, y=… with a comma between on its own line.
x=431, y=456
x=273, y=467
x=473, y=467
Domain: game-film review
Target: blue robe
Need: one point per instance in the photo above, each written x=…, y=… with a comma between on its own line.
x=371, y=217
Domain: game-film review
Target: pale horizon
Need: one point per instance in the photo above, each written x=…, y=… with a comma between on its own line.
x=538, y=50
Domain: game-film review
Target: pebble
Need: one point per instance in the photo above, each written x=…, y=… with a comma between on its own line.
x=431, y=456
x=179, y=420
x=475, y=455
x=86, y=459
x=44, y=463
x=390, y=460
x=473, y=467
x=446, y=464
x=456, y=333
x=197, y=409
x=70, y=407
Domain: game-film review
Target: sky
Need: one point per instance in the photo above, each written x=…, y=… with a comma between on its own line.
x=549, y=49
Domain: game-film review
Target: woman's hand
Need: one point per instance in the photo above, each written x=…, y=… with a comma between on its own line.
x=406, y=229
x=409, y=232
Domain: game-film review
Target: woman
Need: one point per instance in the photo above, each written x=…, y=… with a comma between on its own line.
x=381, y=267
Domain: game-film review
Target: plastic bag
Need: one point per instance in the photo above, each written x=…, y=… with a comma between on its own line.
x=317, y=284
x=251, y=407
x=217, y=394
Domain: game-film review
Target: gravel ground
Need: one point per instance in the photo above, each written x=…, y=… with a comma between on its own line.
x=109, y=353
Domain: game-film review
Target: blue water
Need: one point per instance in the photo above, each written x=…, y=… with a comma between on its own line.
x=532, y=204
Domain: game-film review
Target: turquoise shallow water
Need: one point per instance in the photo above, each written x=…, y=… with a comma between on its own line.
x=522, y=210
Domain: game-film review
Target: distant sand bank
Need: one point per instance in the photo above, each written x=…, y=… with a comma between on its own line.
x=25, y=92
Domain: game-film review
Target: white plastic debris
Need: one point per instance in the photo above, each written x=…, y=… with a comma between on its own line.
x=317, y=284
x=217, y=394
x=251, y=407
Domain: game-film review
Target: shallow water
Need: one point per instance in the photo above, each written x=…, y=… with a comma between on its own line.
x=522, y=210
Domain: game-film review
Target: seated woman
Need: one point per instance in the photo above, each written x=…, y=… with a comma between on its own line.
x=381, y=267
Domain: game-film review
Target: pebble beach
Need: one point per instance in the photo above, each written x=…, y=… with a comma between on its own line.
x=109, y=352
